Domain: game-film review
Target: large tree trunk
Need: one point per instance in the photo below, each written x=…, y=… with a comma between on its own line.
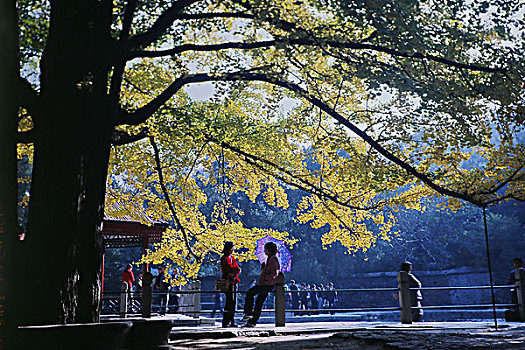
x=70, y=167
x=8, y=183
x=64, y=232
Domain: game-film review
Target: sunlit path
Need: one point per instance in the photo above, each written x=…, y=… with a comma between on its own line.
x=355, y=335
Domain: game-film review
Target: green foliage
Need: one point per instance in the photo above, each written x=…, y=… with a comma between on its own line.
x=396, y=101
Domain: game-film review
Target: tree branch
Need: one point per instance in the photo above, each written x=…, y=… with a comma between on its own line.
x=316, y=42
x=168, y=199
x=120, y=138
x=120, y=65
x=163, y=22
x=194, y=47
x=212, y=15
x=28, y=97
x=26, y=137
x=306, y=186
x=502, y=184
x=311, y=39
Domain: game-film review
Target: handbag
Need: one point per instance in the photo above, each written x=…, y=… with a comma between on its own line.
x=221, y=285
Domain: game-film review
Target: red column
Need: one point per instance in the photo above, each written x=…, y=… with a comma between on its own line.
x=102, y=284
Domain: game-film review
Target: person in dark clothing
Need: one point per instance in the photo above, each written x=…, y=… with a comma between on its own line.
x=217, y=303
x=415, y=295
x=173, y=305
x=331, y=297
x=162, y=286
x=295, y=296
x=320, y=298
x=518, y=265
x=303, y=299
x=230, y=270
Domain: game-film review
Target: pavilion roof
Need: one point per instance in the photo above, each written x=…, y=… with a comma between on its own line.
x=127, y=231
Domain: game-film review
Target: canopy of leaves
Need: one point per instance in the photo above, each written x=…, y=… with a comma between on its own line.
x=394, y=101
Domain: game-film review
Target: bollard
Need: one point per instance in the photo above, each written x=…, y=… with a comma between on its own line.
x=147, y=294
x=196, y=299
x=123, y=299
x=404, y=297
x=184, y=299
x=520, y=291
x=280, y=302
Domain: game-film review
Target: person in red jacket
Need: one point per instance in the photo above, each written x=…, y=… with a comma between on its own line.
x=230, y=271
x=267, y=280
x=128, y=277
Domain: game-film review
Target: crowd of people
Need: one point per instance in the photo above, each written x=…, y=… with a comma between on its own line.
x=310, y=298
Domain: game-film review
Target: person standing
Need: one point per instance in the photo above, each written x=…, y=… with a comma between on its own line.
x=295, y=296
x=303, y=298
x=217, y=304
x=267, y=281
x=162, y=287
x=518, y=265
x=314, y=299
x=415, y=294
x=128, y=278
x=230, y=271
x=173, y=305
x=320, y=298
x=331, y=296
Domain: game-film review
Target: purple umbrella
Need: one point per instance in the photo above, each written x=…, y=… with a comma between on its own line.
x=283, y=254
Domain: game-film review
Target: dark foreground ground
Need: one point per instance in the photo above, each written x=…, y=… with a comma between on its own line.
x=358, y=335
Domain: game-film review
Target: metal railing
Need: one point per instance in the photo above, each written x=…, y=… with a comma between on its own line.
x=189, y=300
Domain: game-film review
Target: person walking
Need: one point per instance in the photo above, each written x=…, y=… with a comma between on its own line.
x=230, y=271
x=267, y=281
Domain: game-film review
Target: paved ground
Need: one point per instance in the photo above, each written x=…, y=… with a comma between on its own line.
x=354, y=335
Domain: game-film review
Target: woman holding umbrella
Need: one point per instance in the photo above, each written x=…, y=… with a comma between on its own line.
x=267, y=280
x=230, y=271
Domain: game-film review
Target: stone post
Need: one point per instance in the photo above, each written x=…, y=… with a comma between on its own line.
x=520, y=291
x=280, y=302
x=123, y=299
x=184, y=299
x=196, y=299
x=404, y=297
x=147, y=294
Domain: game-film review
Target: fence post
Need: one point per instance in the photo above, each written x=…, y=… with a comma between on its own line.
x=404, y=297
x=184, y=299
x=280, y=302
x=147, y=294
x=520, y=291
x=123, y=299
x=196, y=299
